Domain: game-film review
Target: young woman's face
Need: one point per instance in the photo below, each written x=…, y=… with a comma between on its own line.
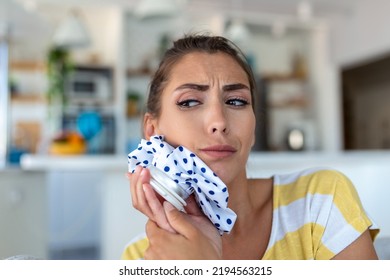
x=206, y=107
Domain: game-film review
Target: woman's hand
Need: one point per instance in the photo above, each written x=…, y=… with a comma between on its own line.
x=171, y=233
x=195, y=236
x=145, y=199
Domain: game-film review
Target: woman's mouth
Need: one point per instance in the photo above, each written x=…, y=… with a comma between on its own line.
x=218, y=151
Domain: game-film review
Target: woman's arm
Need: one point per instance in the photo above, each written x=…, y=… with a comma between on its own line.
x=361, y=249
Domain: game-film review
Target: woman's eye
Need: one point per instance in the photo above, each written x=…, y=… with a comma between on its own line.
x=188, y=103
x=237, y=102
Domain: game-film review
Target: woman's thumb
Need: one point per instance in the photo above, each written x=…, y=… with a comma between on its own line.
x=168, y=207
x=177, y=219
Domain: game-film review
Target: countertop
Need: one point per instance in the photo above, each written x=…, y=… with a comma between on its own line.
x=264, y=160
x=82, y=162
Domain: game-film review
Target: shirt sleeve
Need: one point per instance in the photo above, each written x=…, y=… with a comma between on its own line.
x=136, y=248
x=346, y=217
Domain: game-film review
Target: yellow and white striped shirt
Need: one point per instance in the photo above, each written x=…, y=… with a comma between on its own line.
x=317, y=213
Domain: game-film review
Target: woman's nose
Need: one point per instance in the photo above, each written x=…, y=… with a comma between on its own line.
x=217, y=121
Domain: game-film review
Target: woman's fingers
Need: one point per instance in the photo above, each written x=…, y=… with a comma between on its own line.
x=133, y=178
x=157, y=209
x=142, y=202
x=192, y=207
x=190, y=226
x=146, y=200
x=178, y=220
x=137, y=179
x=196, y=237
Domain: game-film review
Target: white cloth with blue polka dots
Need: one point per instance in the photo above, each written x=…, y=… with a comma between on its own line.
x=191, y=174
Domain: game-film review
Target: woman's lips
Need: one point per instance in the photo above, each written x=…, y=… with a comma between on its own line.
x=219, y=151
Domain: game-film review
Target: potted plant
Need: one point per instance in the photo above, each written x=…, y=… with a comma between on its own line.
x=133, y=100
x=59, y=66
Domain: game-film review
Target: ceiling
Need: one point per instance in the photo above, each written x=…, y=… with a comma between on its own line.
x=276, y=6
x=27, y=15
x=285, y=7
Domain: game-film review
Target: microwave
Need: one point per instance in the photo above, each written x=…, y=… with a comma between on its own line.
x=89, y=85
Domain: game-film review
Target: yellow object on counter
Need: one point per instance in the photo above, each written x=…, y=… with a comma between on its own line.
x=68, y=143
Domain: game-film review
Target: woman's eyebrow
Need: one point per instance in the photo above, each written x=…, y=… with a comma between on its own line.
x=233, y=87
x=193, y=86
x=202, y=88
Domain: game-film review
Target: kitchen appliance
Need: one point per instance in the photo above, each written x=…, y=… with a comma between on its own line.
x=296, y=139
x=89, y=86
x=101, y=136
x=301, y=135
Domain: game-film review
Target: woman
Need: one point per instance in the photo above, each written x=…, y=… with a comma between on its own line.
x=202, y=98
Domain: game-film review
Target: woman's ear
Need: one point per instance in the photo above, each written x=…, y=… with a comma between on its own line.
x=150, y=126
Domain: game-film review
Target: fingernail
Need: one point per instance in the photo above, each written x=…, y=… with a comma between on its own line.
x=142, y=172
x=168, y=207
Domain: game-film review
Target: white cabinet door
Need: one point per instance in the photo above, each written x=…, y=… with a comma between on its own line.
x=74, y=214
x=23, y=214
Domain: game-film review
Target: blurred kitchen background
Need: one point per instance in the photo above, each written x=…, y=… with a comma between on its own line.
x=73, y=82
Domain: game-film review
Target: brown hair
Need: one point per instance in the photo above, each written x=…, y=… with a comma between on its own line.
x=189, y=44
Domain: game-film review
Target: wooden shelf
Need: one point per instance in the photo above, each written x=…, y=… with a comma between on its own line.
x=28, y=65
x=280, y=77
x=291, y=103
x=138, y=72
x=28, y=98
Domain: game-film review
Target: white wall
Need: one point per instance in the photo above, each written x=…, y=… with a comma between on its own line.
x=355, y=37
x=104, y=27
x=363, y=33
x=327, y=97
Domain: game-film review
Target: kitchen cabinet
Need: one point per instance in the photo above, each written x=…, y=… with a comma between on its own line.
x=74, y=210
x=288, y=103
x=28, y=104
x=23, y=214
x=137, y=85
x=288, y=91
x=28, y=80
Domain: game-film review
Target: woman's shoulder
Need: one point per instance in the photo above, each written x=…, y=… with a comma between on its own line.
x=314, y=179
x=308, y=173
x=323, y=206
x=312, y=183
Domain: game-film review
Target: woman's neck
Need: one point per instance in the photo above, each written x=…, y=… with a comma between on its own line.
x=247, y=196
x=253, y=204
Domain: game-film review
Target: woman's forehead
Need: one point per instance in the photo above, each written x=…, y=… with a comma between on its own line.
x=201, y=64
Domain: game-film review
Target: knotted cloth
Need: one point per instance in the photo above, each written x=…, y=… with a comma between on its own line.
x=191, y=174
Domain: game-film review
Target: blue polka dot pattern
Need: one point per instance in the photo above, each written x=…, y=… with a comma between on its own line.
x=190, y=173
